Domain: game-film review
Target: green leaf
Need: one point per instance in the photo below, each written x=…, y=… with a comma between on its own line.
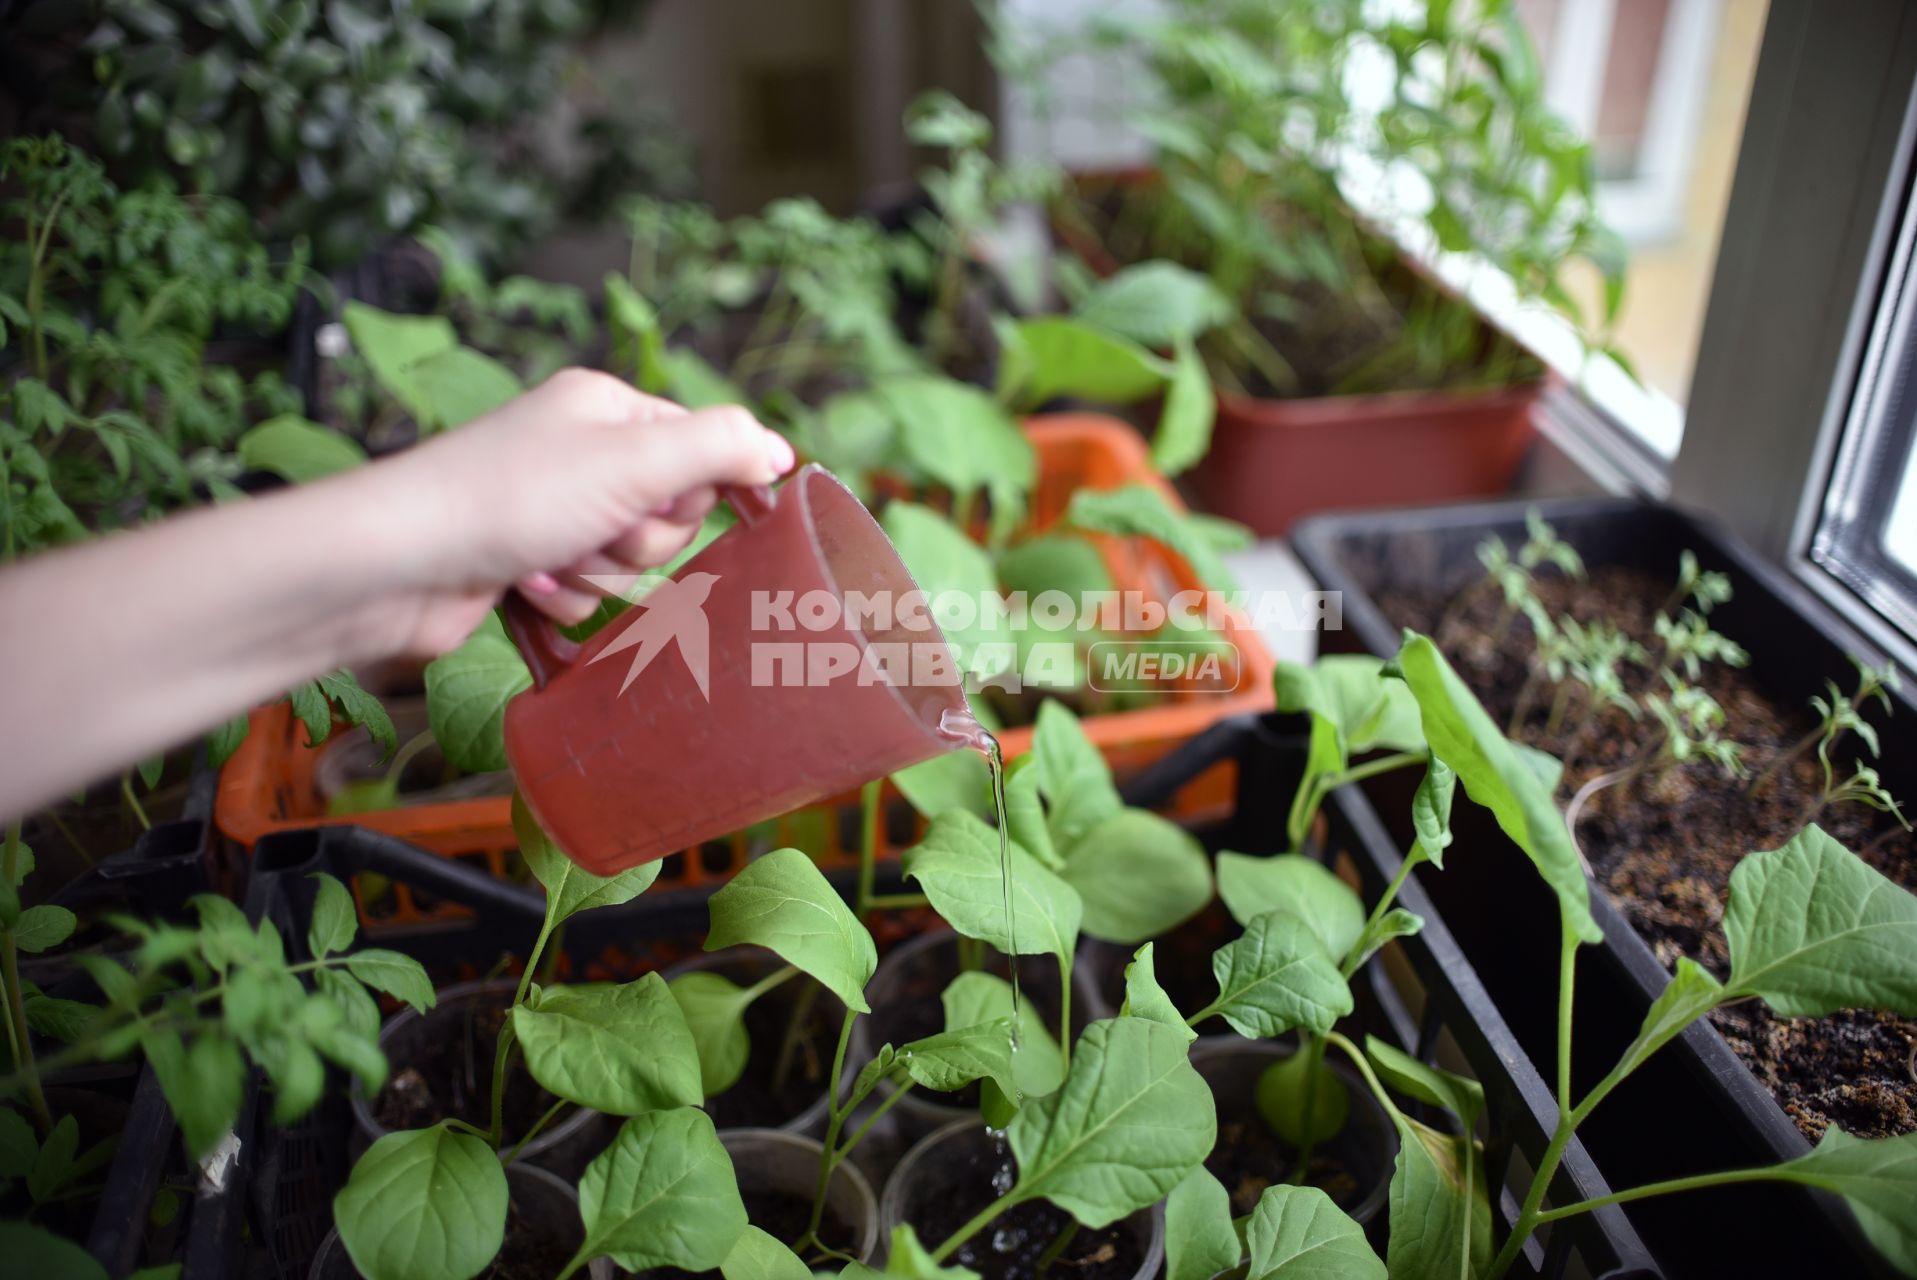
x=956, y=1057
x=1464, y=736
x=1130, y=1122
x=1184, y=424
x=1431, y=810
x=1277, y=977
x=23, y=862
x=298, y=450
x=298, y=1076
x=910, y=1259
x=1138, y=876
x=1069, y=358
x=1139, y=510
x=1156, y=303
x=203, y=1084
x=569, y=887
x=1814, y=929
x=1297, y=884
x=957, y=865
x=1072, y=775
x=425, y=1204
x=638, y=346
x=1144, y=998
x=391, y=343
x=621, y=1049
x=459, y=385
x=1461, y=1096
x=1055, y=562
x=1200, y=1241
x=359, y=707
x=1440, y=1215
x=1367, y=710
x=1879, y=1180
x=955, y=780
x=1395, y=923
x=960, y=437
x=662, y=1195
x=315, y=712
x=37, y=1252
x=466, y=695
x=335, y=917
x=784, y=903
x=63, y=1020
x=40, y=928
x=225, y=740
x=1297, y=1233
x=1025, y=814
x=714, y=1008
x=759, y=1256
x=359, y=1012
x=1691, y=993
x=399, y=976
x=1303, y=1103
x=54, y=1162
x=943, y=560
x=976, y=998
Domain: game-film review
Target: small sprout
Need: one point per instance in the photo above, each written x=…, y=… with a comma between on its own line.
x=1862, y=787
x=1837, y=715
x=1690, y=642
x=1543, y=546
x=1708, y=588
x=1692, y=721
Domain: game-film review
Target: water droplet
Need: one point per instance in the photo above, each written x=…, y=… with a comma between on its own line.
x=1007, y=1239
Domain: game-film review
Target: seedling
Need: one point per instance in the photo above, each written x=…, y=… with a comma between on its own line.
x=1838, y=715
x=1689, y=643
x=1706, y=588
x=1512, y=577
x=1793, y=922
x=1352, y=711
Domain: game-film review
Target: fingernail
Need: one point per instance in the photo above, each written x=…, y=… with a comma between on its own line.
x=539, y=584
x=779, y=450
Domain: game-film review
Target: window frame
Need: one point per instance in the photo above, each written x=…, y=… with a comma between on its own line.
x=1794, y=341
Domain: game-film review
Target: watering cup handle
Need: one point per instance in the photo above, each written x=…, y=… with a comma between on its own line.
x=547, y=652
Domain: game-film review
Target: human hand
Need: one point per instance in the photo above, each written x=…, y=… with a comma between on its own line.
x=581, y=475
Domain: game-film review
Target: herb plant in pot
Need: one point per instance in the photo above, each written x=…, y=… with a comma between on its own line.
x=1348, y=377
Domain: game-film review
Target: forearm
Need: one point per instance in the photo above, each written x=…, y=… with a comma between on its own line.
x=126, y=646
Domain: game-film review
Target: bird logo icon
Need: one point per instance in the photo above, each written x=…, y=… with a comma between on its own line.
x=670, y=612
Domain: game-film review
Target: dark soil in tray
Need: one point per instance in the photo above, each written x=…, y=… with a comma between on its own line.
x=451, y=1075
x=1010, y=1247
x=761, y=1098
x=535, y=1249
x=783, y=1216
x=1664, y=847
x=1248, y=1158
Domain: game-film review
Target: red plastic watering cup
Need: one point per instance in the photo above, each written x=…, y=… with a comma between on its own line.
x=746, y=686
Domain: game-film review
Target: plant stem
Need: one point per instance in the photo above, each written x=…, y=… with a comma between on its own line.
x=868, y=843
x=1314, y=1047
x=1325, y=784
x=1783, y=758
x=133, y=801
x=878, y=1114
x=1064, y=1009
x=980, y=1220
x=1058, y=1246
x=789, y=1043
x=18, y=1033
x=533, y=1132
x=1412, y=860
x=837, y=1113
x=504, y=1049
x=895, y=901
x=1567, y=981
x=1693, y=1183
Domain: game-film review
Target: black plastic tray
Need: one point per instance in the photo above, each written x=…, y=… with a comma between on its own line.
x=1447, y=1006
x=1703, y=1104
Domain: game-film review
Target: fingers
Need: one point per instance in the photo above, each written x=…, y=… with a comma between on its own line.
x=563, y=602
x=721, y=445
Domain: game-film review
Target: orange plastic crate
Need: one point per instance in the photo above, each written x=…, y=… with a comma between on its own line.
x=270, y=784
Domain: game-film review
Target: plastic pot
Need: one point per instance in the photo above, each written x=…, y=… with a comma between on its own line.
x=775, y=1163
x=766, y=1022
x=565, y=1145
x=1707, y=1108
x=1361, y=1154
x=904, y=995
x=1274, y=461
x=949, y=1176
x=534, y=1196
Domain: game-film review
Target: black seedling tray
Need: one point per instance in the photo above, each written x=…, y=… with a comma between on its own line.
x=1437, y=1006
x=1695, y=1106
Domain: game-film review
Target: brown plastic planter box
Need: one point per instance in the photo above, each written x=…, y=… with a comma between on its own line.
x=1273, y=461
x=272, y=782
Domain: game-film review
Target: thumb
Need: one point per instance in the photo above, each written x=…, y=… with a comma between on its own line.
x=721, y=445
